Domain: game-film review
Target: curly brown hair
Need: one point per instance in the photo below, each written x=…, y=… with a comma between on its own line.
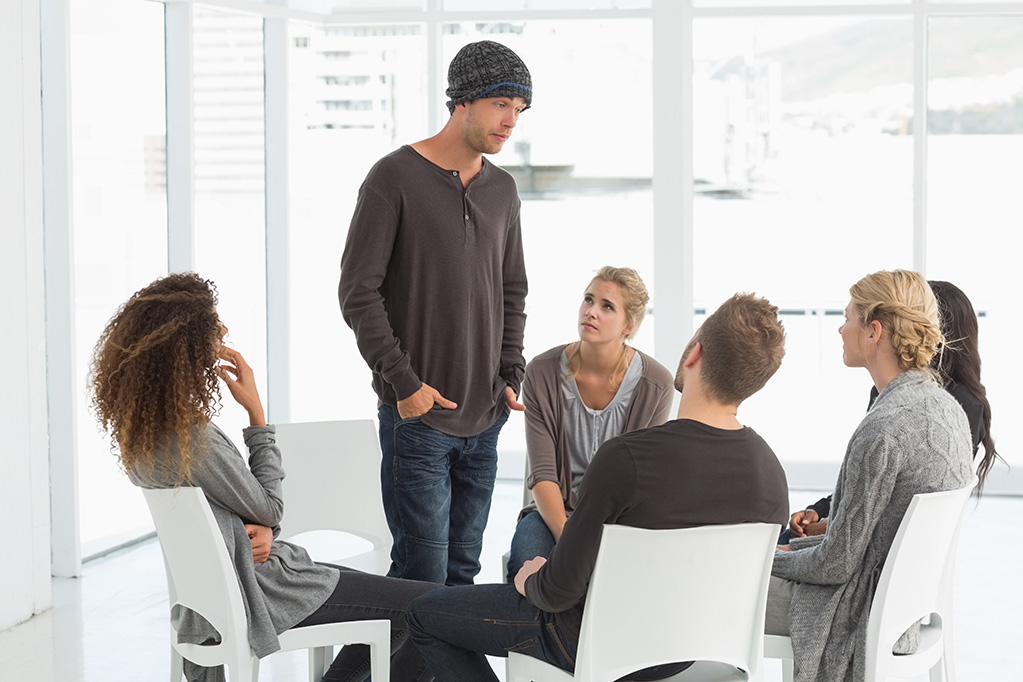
x=153, y=373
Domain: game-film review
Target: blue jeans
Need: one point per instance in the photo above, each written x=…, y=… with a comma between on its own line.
x=457, y=627
x=437, y=490
x=532, y=539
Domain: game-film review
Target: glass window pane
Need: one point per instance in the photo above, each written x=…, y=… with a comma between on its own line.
x=120, y=220
x=230, y=230
x=357, y=92
x=975, y=141
x=803, y=167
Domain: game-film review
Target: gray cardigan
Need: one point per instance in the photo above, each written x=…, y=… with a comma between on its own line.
x=546, y=439
x=278, y=593
x=915, y=439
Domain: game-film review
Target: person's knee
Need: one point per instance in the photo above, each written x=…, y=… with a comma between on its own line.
x=415, y=613
x=412, y=623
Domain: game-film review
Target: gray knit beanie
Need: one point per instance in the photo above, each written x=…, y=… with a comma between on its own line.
x=487, y=69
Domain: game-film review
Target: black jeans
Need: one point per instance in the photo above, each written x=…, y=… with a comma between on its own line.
x=364, y=596
x=455, y=628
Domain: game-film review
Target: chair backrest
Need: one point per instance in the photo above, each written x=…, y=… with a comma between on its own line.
x=200, y=574
x=333, y=482
x=916, y=579
x=660, y=596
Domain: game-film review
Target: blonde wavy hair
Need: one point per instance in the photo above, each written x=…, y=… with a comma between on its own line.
x=902, y=301
x=635, y=298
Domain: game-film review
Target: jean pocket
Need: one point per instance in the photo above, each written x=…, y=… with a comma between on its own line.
x=399, y=422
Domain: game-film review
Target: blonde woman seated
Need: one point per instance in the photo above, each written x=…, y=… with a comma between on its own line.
x=914, y=439
x=579, y=395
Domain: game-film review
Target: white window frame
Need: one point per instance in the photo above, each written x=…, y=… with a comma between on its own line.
x=673, y=194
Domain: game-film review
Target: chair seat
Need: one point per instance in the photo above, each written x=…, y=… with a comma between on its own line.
x=329, y=634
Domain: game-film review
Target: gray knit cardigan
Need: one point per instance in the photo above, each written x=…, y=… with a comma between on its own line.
x=915, y=439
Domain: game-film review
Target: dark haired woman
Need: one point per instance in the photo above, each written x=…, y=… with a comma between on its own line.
x=155, y=381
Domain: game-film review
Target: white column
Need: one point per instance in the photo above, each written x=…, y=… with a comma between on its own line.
x=435, y=85
x=60, y=297
x=24, y=486
x=180, y=137
x=275, y=132
x=673, y=178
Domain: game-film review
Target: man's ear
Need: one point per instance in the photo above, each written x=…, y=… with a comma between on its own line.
x=695, y=354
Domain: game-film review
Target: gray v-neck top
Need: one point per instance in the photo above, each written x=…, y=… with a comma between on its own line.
x=587, y=428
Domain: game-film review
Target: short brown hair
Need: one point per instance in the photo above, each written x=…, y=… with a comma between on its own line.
x=743, y=344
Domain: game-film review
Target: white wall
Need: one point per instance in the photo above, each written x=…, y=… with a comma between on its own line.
x=24, y=462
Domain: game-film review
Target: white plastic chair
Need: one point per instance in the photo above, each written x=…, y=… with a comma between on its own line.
x=916, y=582
x=201, y=577
x=333, y=484
x=661, y=596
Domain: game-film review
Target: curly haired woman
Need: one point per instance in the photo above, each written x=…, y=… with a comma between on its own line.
x=155, y=381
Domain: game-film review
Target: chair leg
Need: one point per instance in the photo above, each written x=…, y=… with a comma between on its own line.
x=177, y=666
x=947, y=664
x=788, y=670
x=319, y=660
x=380, y=659
x=247, y=669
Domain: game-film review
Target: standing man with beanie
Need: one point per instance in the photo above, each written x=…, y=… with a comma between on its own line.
x=433, y=284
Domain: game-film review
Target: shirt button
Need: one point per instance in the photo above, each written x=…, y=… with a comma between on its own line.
x=466, y=216
x=455, y=173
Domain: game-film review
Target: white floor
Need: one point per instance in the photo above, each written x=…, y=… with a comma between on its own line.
x=111, y=624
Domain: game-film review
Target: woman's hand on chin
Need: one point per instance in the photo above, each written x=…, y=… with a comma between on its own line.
x=241, y=381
